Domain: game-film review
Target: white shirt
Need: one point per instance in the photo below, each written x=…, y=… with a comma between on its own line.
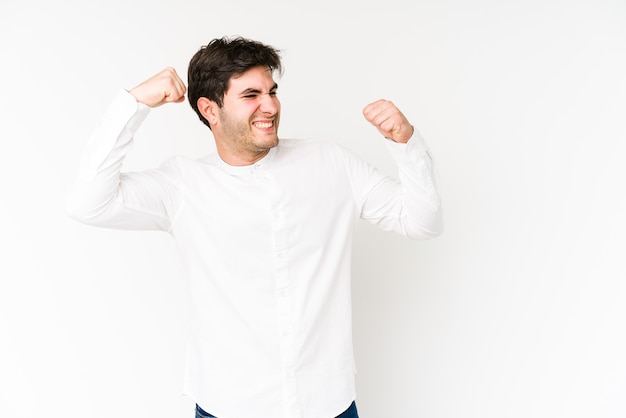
x=267, y=251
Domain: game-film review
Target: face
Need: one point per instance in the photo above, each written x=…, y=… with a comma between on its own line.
x=246, y=126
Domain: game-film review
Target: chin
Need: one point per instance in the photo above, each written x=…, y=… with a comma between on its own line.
x=269, y=143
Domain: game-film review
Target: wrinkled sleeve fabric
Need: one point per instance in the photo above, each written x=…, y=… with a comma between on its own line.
x=410, y=204
x=104, y=196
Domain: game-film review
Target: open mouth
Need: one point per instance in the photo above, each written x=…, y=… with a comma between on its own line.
x=264, y=125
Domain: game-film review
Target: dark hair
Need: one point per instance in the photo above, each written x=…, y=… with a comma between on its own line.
x=212, y=67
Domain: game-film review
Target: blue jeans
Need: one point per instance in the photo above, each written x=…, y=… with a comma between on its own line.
x=348, y=413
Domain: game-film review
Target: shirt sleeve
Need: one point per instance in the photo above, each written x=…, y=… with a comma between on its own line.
x=104, y=196
x=410, y=204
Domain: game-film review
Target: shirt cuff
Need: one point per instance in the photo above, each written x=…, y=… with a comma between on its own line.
x=414, y=149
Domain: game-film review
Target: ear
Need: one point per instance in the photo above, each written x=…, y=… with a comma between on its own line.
x=209, y=109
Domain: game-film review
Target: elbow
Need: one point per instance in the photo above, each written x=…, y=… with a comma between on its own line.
x=76, y=209
x=434, y=232
x=427, y=226
x=82, y=209
x=424, y=233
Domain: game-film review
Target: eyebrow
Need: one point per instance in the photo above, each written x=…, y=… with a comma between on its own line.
x=256, y=91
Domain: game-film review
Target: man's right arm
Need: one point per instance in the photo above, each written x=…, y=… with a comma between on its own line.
x=101, y=194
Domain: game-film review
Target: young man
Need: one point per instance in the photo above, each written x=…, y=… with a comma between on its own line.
x=264, y=228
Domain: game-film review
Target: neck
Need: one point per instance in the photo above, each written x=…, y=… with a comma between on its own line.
x=239, y=159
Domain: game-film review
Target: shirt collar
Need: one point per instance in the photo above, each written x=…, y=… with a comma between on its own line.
x=243, y=170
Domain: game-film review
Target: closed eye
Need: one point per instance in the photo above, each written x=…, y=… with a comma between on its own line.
x=254, y=93
x=254, y=96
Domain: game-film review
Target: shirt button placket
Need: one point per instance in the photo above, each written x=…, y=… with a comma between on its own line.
x=284, y=304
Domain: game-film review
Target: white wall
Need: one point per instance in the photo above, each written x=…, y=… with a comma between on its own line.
x=516, y=311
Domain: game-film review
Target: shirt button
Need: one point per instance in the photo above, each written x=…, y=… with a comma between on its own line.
x=282, y=293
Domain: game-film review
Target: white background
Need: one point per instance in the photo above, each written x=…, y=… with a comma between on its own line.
x=518, y=310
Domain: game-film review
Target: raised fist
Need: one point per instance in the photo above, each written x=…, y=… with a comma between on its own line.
x=389, y=121
x=163, y=87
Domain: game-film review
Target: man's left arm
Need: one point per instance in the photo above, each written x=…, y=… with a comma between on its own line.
x=411, y=204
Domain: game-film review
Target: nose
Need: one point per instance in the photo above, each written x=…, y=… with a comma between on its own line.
x=269, y=104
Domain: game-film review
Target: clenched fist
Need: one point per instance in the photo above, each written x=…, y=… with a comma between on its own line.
x=163, y=87
x=389, y=121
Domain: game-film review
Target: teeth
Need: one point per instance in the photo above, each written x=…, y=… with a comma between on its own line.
x=264, y=125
